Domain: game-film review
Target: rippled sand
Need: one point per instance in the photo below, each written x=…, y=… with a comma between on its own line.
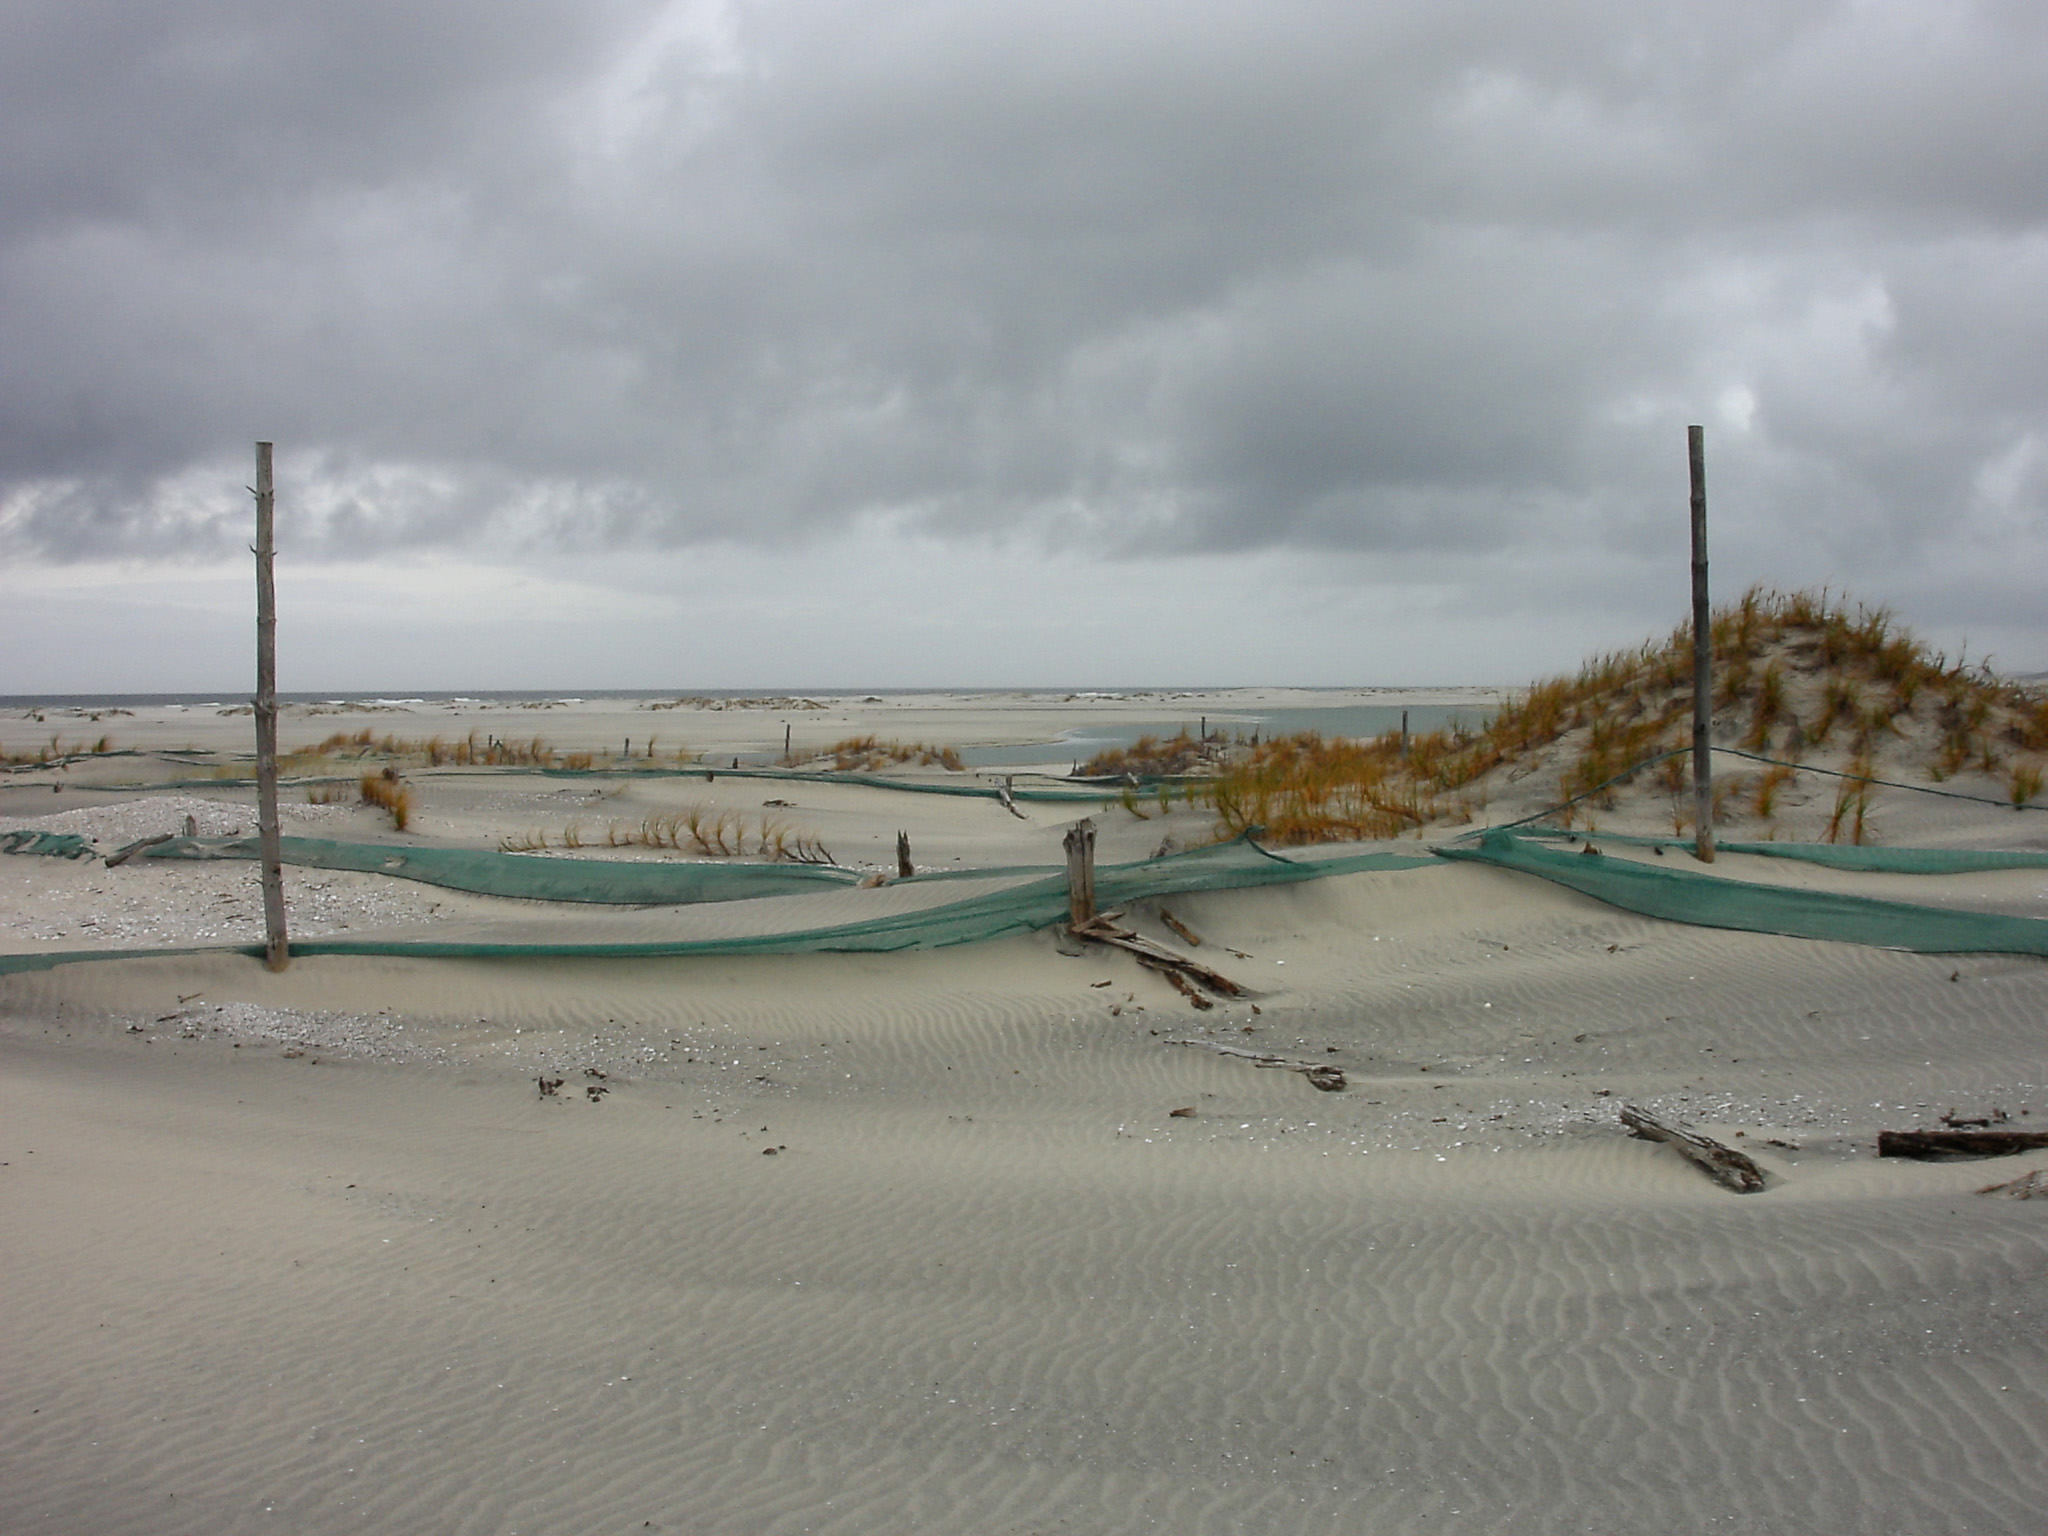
x=312, y=1253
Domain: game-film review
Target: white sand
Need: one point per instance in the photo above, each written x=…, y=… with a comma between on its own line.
x=310, y=1252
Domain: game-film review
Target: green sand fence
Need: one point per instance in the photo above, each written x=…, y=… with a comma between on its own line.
x=1038, y=899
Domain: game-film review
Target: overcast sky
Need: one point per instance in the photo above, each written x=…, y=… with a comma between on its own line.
x=615, y=343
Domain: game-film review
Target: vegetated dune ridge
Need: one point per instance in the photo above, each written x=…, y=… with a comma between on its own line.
x=313, y=1252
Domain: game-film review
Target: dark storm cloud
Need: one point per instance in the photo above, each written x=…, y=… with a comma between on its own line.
x=1405, y=278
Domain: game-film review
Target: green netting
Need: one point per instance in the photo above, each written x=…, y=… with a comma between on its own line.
x=1864, y=858
x=611, y=882
x=53, y=845
x=1707, y=901
x=1039, y=900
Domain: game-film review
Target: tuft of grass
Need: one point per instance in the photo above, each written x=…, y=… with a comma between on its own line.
x=1768, y=784
x=2023, y=781
x=1304, y=789
x=1768, y=708
x=1852, y=805
x=327, y=794
x=389, y=793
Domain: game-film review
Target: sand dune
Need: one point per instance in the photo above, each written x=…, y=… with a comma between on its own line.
x=311, y=1252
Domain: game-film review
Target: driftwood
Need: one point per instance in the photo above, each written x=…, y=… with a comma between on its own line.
x=1320, y=1074
x=1103, y=931
x=2028, y=1186
x=1724, y=1165
x=1009, y=801
x=121, y=856
x=1942, y=1146
x=1181, y=984
x=1187, y=934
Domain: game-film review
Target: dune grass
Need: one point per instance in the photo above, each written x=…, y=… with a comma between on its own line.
x=473, y=750
x=712, y=834
x=1149, y=757
x=1801, y=671
x=391, y=794
x=870, y=754
x=57, y=750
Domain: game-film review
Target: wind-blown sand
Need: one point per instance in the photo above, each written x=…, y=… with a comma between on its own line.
x=311, y=1253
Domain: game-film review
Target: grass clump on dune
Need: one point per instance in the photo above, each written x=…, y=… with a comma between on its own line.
x=390, y=794
x=1796, y=675
x=713, y=834
x=1149, y=757
x=473, y=750
x=869, y=754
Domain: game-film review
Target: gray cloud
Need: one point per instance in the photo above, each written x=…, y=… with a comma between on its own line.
x=1429, y=282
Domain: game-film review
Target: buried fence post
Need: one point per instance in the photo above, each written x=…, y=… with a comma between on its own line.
x=904, y=868
x=1702, y=658
x=1080, y=846
x=276, y=950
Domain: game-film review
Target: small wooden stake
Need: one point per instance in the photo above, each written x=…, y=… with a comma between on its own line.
x=276, y=949
x=785, y=743
x=1080, y=846
x=1702, y=658
x=904, y=868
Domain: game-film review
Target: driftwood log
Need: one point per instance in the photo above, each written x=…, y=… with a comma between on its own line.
x=1943, y=1146
x=1188, y=935
x=1724, y=1165
x=1180, y=983
x=1320, y=1074
x=1158, y=956
x=121, y=856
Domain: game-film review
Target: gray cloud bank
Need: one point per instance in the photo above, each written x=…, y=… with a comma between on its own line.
x=1412, y=280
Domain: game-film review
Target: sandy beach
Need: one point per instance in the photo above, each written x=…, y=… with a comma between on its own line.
x=989, y=1238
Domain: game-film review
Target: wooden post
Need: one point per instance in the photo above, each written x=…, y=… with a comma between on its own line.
x=276, y=950
x=1702, y=659
x=785, y=744
x=1404, y=735
x=904, y=868
x=1080, y=846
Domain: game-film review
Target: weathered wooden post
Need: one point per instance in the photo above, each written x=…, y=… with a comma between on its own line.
x=785, y=744
x=1404, y=735
x=1080, y=846
x=276, y=950
x=1702, y=659
x=904, y=868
